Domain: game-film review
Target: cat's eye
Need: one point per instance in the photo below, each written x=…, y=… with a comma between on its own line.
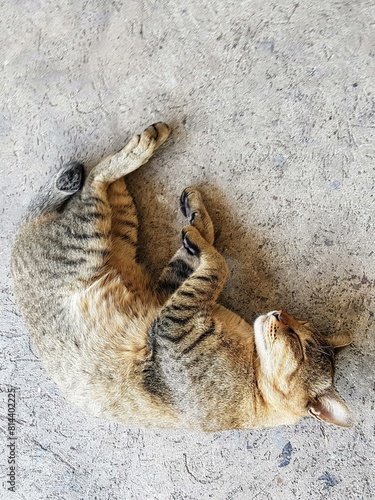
x=292, y=334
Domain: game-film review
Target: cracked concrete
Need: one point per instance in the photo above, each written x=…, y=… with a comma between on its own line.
x=272, y=106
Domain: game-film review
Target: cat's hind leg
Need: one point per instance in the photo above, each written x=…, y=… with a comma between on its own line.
x=135, y=154
x=124, y=238
x=92, y=216
x=72, y=225
x=53, y=197
x=71, y=178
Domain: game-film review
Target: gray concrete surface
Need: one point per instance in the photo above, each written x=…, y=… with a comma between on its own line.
x=273, y=109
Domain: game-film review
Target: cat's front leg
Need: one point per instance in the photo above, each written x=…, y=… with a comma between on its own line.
x=184, y=338
x=195, y=296
x=184, y=330
x=184, y=263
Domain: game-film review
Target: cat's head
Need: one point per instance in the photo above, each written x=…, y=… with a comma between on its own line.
x=296, y=366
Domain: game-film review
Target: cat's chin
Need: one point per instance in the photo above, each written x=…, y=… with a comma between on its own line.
x=259, y=333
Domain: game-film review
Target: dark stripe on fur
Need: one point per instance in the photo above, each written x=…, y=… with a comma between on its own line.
x=169, y=338
x=128, y=223
x=176, y=319
x=90, y=217
x=177, y=272
x=203, y=278
x=168, y=287
x=185, y=293
x=72, y=262
x=182, y=307
x=207, y=333
x=158, y=330
x=125, y=237
x=85, y=236
x=181, y=268
x=92, y=201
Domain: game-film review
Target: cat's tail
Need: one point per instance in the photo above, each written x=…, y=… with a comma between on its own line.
x=59, y=190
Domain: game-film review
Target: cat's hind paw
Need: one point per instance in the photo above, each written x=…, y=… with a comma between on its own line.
x=145, y=144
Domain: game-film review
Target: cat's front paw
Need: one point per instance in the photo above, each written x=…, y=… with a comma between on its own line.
x=190, y=240
x=197, y=246
x=192, y=207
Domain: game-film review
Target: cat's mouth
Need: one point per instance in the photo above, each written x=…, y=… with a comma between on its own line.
x=263, y=330
x=267, y=326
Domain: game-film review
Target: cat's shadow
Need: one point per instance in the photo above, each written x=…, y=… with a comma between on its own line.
x=251, y=288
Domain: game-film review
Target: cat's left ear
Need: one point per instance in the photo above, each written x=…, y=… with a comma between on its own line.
x=332, y=409
x=338, y=340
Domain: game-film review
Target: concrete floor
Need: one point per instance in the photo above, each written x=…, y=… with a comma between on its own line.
x=273, y=112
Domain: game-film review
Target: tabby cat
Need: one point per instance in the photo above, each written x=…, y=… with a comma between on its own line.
x=165, y=354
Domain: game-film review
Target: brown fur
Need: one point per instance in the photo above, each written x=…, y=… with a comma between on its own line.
x=168, y=355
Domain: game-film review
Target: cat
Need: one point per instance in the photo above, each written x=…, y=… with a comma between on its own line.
x=165, y=354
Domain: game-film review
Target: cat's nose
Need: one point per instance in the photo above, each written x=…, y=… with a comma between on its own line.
x=277, y=315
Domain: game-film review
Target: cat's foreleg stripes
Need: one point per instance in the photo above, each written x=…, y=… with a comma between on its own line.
x=180, y=267
x=184, y=320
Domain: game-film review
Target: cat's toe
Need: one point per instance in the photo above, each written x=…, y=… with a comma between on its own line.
x=162, y=131
x=184, y=203
x=192, y=207
x=188, y=243
x=190, y=201
x=150, y=139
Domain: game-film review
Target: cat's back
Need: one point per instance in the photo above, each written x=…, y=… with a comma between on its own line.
x=73, y=322
x=37, y=280
x=91, y=339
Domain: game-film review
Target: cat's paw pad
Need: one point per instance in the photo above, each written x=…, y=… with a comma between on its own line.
x=188, y=236
x=71, y=177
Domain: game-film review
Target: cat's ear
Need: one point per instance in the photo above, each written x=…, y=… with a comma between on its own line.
x=338, y=340
x=332, y=409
